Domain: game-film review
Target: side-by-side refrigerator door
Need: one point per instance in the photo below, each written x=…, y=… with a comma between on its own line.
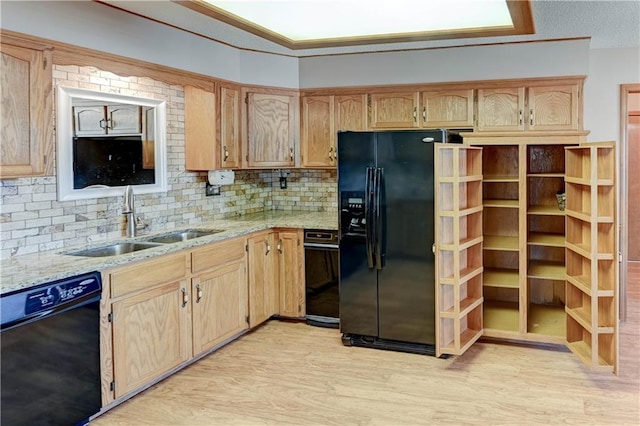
x=458, y=247
x=358, y=275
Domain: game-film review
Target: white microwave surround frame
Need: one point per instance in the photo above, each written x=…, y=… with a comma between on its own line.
x=64, y=136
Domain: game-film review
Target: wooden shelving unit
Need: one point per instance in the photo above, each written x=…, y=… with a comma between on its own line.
x=592, y=308
x=502, y=199
x=459, y=248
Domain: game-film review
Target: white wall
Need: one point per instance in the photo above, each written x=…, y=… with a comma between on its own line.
x=608, y=69
x=95, y=26
x=522, y=60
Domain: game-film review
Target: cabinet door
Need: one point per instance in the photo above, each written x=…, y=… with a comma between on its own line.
x=350, y=112
x=26, y=111
x=219, y=305
x=151, y=335
x=459, y=263
x=553, y=108
x=123, y=119
x=263, y=290
x=501, y=109
x=200, y=129
x=230, y=141
x=89, y=120
x=291, y=273
x=447, y=109
x=270, y=121
x=394, y=110
x=318, y=132
x=148, y=138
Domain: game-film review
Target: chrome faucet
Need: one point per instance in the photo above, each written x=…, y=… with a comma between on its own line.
x=128, y=209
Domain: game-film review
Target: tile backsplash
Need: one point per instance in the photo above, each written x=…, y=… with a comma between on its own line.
x=32, y=220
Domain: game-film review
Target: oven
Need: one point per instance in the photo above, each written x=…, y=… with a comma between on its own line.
x=50, y=349
x=321, y=277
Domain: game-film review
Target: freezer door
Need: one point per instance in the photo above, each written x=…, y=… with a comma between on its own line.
x=406, y=282
x=358, y=278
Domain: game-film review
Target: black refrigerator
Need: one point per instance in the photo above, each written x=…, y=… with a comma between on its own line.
x=387, y=265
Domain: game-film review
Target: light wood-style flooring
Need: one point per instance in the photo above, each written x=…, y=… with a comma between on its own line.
x=293, y=374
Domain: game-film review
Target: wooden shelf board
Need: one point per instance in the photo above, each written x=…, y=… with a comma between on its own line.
x=546, y=270
x=582, y=350
x=504, y=278
x=467, y=273
x=470, y=178
x=549, y=320
x=466, y=305
x=469, y=242
x=605, y=182
x=546, y=175
x=605, y=219
x=582, y=315
x=581, y=282
x=467, y=338
x=548, y=240
x=507, y=204
x=582, y=249
x=460, y=213
x=577, y=180
x=585, y=217
x=501, y=178
x=551, y=210
x=501, y=315
x=498, y=242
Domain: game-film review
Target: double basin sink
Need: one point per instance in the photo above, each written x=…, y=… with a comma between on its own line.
x=145, y=243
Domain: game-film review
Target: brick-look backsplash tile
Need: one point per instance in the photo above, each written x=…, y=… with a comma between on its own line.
x=32, y=220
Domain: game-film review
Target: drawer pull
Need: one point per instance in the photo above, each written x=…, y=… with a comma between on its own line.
x=185, y=297
x=199, y=293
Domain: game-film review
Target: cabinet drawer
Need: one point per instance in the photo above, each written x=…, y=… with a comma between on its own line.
x=217, y=254
x=148, y=273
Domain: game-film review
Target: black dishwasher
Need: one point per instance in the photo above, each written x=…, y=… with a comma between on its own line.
x=50, y=349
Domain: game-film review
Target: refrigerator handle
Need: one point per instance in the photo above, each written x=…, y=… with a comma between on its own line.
x=368, y=191
x=378, y=217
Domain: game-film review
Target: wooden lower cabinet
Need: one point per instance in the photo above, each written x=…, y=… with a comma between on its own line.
x=263, y=288
x=151, y=335
x=291, y=273
x=219, y=305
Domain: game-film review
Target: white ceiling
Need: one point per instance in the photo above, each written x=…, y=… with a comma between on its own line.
x=609, y=24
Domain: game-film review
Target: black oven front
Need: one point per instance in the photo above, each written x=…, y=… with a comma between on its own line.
x=321, y=277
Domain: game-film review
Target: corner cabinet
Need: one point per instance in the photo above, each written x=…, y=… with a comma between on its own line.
x=230, y=134
x=271, y=130
x=511, y=261
x=26, y=110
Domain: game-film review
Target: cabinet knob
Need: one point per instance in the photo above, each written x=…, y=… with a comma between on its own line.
x=226, y=154
x=331, y=154
x=279, y=246
x=291, y=154
x=415, y=114
x=424, y=114
x=268, y=248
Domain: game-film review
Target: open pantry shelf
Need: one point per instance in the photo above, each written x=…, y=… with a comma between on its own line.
x=546, y=270
x=502, y=243
x=548, y=320
x=548, y=240
x=501, y=315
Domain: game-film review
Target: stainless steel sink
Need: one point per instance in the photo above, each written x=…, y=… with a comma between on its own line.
x=178, y=236
x=113, y=249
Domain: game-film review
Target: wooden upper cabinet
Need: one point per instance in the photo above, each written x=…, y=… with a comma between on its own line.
x=26, y=111
x=501, y=109
x=91, y=119
x=350, y=112
x=230, y=140
x=553, y=108
x=394, y=110
x=271, y=130
x=453, y=108
x=202, y=152
x=543, y=108
x=318, y=131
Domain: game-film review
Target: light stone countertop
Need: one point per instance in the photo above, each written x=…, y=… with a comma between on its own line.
x=29, y=270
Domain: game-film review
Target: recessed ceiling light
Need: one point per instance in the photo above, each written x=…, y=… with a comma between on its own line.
x=319, y=23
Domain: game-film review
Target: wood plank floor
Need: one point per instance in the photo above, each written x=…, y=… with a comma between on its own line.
x=293, y=374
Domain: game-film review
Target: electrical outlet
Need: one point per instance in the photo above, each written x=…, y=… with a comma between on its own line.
x=283, y=182
x=212, y=190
